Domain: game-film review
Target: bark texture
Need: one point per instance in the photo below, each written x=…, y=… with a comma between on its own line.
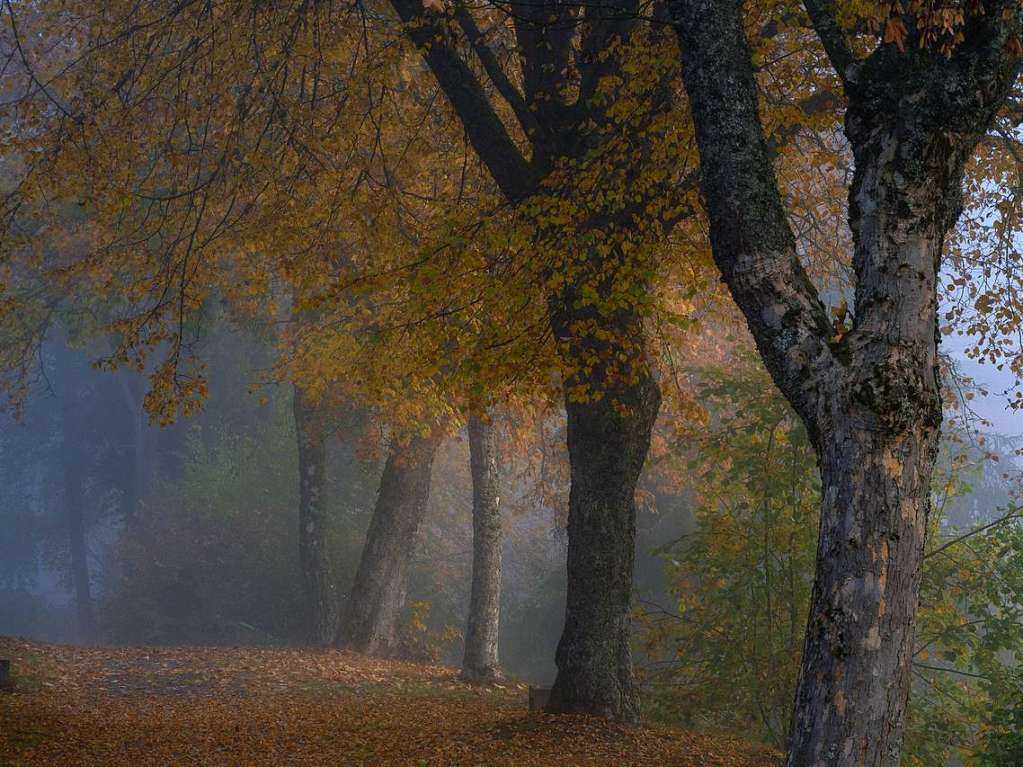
x=378, y=594
x=607, y=450
x=608, y=438
x=318, y=586
x=480, y=662
x=870, y=398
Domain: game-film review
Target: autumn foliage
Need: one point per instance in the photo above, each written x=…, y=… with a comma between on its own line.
x=192, y=706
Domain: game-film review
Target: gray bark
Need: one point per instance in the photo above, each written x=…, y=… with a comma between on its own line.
x=378, y=594
x=321, y=601
x=870, y=398
x=480, y=661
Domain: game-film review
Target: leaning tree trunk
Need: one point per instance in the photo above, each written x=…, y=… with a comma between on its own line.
x=480, y=662
x=378, y=593
x=611, y=411
x=321, y=602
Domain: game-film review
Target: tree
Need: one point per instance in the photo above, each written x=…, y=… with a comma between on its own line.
x=74, y=467
x=317, y=583
x=596, y=305
x=378, y=594
x=729, y=653
x=480, y=661
x=916, y=105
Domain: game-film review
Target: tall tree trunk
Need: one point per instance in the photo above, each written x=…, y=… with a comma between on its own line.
x=381, y=582
x=74, y=515
x=609, y=425
x=870, y=397
x=561, y=75
x=480, y=662
x=135, y=452
x=321, y=601
x=878, y=440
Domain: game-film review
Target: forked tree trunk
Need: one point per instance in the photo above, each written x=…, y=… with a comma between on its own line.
x=609, y=425
x=879, y=432
x=320, y=599
x=870, y=397
x=480, y=662
x=556, y=109
x=378, y=594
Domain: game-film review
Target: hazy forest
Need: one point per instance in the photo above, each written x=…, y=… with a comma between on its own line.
x=511, y=382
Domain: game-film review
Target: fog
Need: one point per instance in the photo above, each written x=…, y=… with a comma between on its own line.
x=120, y=532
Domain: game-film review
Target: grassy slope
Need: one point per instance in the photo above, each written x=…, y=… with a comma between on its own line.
x=244, y=706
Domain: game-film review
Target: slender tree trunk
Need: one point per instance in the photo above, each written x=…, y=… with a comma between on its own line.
x=321, y=602
x=74, y=515
x=135, y=483
x=609, y=425
x=480, y=662
x=381, y=582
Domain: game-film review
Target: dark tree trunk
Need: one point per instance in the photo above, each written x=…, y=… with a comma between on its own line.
x=321, y=601
x=378, y=593
x=611, y=409
x=480, y=663
x=607, y=450
x=870, y=397
x=556, y=112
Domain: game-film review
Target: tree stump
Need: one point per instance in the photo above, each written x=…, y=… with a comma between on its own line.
x=5, y=672
x=538, y=697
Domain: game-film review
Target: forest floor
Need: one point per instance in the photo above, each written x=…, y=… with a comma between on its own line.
x=72, y=707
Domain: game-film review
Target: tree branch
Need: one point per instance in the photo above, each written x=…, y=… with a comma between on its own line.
x=487, y=134
x=825, y=22
x=1014, y=514
x=495, y=71
x=752, y=242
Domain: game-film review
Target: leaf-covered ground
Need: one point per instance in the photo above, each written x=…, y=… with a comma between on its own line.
x=228, y=706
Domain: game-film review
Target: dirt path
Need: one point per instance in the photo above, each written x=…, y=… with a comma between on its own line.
x=225, y=706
